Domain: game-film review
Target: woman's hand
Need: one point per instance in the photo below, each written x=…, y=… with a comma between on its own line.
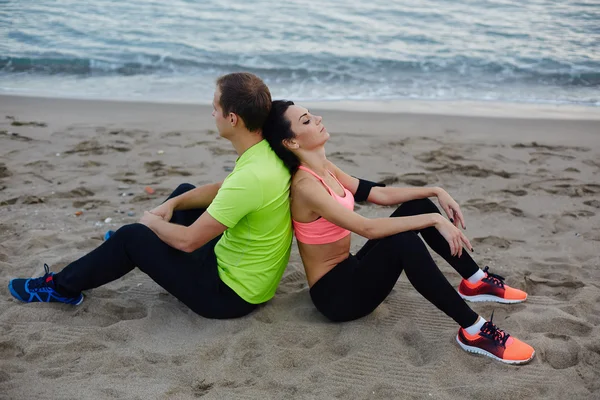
x=164, y=211
x=148, y=218
x=451, y=208
x=454, y=236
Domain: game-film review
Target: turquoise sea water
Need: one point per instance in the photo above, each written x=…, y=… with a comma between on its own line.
x=540, y=51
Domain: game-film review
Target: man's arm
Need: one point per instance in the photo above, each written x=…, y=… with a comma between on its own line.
x=199, y=197
x=184, y=238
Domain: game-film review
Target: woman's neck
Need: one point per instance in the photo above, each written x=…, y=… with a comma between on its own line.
x=316, y=161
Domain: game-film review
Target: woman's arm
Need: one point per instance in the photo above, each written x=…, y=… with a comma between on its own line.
x=311, y=195
x=388, y=196
x=385, y=196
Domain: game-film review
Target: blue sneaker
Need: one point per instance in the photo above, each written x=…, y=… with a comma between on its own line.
x=42, y=290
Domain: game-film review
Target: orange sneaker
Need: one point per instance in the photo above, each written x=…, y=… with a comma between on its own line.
x=490, y=288
x=495, y=343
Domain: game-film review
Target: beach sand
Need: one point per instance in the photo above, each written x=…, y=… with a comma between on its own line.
x=528, y=184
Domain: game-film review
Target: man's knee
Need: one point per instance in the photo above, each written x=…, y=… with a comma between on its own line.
x=184, y=187
x=130, y=231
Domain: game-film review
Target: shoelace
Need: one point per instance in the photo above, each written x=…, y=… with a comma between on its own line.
x=40, y=283
x=491, y=331
x=494, y=279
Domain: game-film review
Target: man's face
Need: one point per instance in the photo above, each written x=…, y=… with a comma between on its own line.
x=223, y=123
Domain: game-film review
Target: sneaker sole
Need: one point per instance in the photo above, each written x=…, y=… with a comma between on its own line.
x=489, y=298
x=477, y=350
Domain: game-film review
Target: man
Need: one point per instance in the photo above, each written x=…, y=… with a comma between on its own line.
x=222, y=248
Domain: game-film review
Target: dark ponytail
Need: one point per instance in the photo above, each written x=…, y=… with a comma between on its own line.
x=277, y=128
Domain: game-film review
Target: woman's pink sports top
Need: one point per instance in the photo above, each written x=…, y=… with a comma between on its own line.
x=322, y=231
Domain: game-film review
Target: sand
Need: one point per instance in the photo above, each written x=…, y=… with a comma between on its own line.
x=529, y=186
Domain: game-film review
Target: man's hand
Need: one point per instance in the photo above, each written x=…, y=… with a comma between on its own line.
x=164, y=211
x=148, y=218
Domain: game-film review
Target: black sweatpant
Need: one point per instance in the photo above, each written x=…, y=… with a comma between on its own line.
x=191, y=277
x=357, y=285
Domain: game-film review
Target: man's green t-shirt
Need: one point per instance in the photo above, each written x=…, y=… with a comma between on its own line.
x=254, y=203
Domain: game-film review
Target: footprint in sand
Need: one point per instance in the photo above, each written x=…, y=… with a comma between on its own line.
x=16, y=122
x=439, y=156
x=80, y=191
x=565, y=187
x=535, y=145
x=544, y=158
x=158, y=168
x=121, y=310
x=592, y=203
x=130, y=133
x=22, y=200
x=495, y=241
x=560, y=351
x=491, y=206
x=578, y=214
x=90, y=204
x=93, y=147
x=470, y=170
x=552, y=284
x=292, y=282
x=17, y=136
x=4, y=172
x=344, y=157
x=411, y=179
x=221, y=151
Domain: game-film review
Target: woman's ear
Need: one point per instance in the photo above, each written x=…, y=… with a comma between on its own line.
x=290, y=144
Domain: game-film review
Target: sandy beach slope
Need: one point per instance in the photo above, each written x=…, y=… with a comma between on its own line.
x=529, y=186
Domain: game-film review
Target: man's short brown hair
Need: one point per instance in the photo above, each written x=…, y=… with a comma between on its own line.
x=246, y=95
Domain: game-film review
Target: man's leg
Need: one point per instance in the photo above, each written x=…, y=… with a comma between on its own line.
x=190, y=277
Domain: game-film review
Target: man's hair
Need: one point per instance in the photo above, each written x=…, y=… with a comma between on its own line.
x=246, y=95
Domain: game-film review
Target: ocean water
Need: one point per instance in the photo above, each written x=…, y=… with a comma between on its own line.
x=535, y=51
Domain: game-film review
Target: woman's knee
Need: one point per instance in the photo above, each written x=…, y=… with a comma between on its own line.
x=404, y=242
x=416, y=207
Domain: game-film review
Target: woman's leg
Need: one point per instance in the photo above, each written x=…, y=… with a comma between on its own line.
x=464, y=264
x=369, y=280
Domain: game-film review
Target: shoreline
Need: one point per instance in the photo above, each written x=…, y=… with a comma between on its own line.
x=463, y=108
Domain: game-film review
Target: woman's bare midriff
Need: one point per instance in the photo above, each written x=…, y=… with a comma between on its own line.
x=319, y=259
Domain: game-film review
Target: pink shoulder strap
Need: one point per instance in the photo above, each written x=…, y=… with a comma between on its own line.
x=310, y=171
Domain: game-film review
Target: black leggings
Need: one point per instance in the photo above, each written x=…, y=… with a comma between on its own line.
x=191, y=277
x=357, y=285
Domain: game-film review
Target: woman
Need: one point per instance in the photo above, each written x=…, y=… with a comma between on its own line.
x=345, y=287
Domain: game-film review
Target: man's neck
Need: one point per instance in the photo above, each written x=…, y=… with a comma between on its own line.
x=245, y=140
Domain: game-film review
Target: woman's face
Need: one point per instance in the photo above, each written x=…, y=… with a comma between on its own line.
x=309, y=130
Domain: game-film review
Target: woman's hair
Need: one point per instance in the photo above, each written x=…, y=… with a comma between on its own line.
x=277, y=128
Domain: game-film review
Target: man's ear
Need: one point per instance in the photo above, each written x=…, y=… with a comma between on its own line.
x=290, y=144
x=233, y=119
